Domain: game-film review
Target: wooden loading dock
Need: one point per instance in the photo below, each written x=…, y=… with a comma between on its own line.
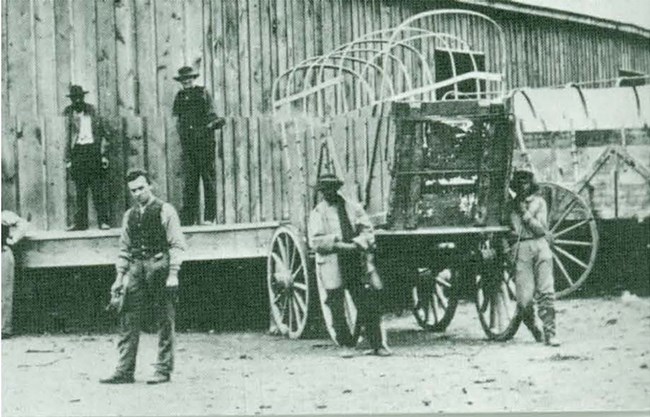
x=50, y=249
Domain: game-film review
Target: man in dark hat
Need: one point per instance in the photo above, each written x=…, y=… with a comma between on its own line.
x=85, y=153
x=343, y=237
x=195, y=123
x=532, y=256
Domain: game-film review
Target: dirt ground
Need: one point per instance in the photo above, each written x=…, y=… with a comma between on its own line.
x=602, y=365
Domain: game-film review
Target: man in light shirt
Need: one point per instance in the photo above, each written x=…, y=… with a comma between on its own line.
x=532, y=256
x=151, y=252
x=86, y=158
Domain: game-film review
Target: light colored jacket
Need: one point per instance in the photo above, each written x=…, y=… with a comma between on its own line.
x=325, y=230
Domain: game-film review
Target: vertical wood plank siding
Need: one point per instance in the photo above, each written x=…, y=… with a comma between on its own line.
x=126, y=53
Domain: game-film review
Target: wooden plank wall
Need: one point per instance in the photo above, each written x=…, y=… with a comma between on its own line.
x=126, y=53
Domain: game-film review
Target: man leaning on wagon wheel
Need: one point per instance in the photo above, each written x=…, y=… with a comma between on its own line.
x=532, y=257
x=195, y=124
x=342, y=236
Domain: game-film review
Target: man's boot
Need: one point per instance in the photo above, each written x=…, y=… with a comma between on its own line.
x=547, y=314
x=529, y=320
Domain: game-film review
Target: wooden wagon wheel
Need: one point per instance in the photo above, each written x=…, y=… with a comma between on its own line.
x=496, y=304
x=288, y=281
x=350, y=310
x=575, y=237
x=434, y=299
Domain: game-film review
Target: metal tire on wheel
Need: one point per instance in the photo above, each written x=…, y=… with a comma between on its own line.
x=434, y=299
x=497, y=305
x=350, y=310
x=288, y=281
x=575, y=237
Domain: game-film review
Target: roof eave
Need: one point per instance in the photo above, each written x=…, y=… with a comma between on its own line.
x=510, y=6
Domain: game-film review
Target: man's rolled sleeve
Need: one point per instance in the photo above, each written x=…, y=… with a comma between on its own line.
x=124, y=255
x=175, y=237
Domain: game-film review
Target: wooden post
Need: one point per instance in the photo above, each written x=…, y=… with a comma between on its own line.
x=126, y=56
x=266, y=168
x=9, y=179
x=21, y=72
x=241, y=156
x=55, y=172
x=255, y=165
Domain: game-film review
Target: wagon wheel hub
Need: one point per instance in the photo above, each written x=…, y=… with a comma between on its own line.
x=282, y=276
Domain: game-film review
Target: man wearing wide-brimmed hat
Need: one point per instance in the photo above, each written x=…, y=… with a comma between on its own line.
x=532, y=256
x=86, y=158
x=342, y=235
x=195, y=123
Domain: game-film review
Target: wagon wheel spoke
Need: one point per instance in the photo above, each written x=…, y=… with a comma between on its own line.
x=290, y=312
x=571, y=257
x=570, y=228
x=443, y=282
x=300, y=286
x=293, y=275
x=565, y=213
x=283, y=310
x=441, y=298
x=572, y=242
x=434, y=307
x=300, y=302
x=283, y=251
x=560, y=265
x=294, y=251
x=277, y=297
x=277, y=258
x=295, y=309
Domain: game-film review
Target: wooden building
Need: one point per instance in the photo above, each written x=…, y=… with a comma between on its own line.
x=126, y=52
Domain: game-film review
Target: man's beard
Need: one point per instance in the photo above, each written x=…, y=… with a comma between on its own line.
x=78, y=106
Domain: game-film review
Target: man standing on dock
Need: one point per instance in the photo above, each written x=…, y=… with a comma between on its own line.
x=195, y=122
x=86, y=158
x=151, y=252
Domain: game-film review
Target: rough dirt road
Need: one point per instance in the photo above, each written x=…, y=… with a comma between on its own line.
x=602, y=365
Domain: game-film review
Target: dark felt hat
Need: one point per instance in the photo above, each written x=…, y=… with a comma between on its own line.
x=185, y=73
x=522, y=175
x=329, y=181
x=77, y=91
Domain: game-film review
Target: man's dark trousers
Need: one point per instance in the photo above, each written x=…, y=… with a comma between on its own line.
x=198, y=163
x=88, y=175
x=368, y=304
x=146, y=290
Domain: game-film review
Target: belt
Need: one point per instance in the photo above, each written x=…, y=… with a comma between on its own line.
x=146, y=254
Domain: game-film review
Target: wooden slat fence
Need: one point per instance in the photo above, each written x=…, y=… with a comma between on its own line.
x=126, y=53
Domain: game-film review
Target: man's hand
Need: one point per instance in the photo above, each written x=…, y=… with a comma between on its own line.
x=68, y=165
x=172, y=286
x=104, y=162
x=117, y=284
x=216, y=123
x=522, y=207
x=172, y=280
